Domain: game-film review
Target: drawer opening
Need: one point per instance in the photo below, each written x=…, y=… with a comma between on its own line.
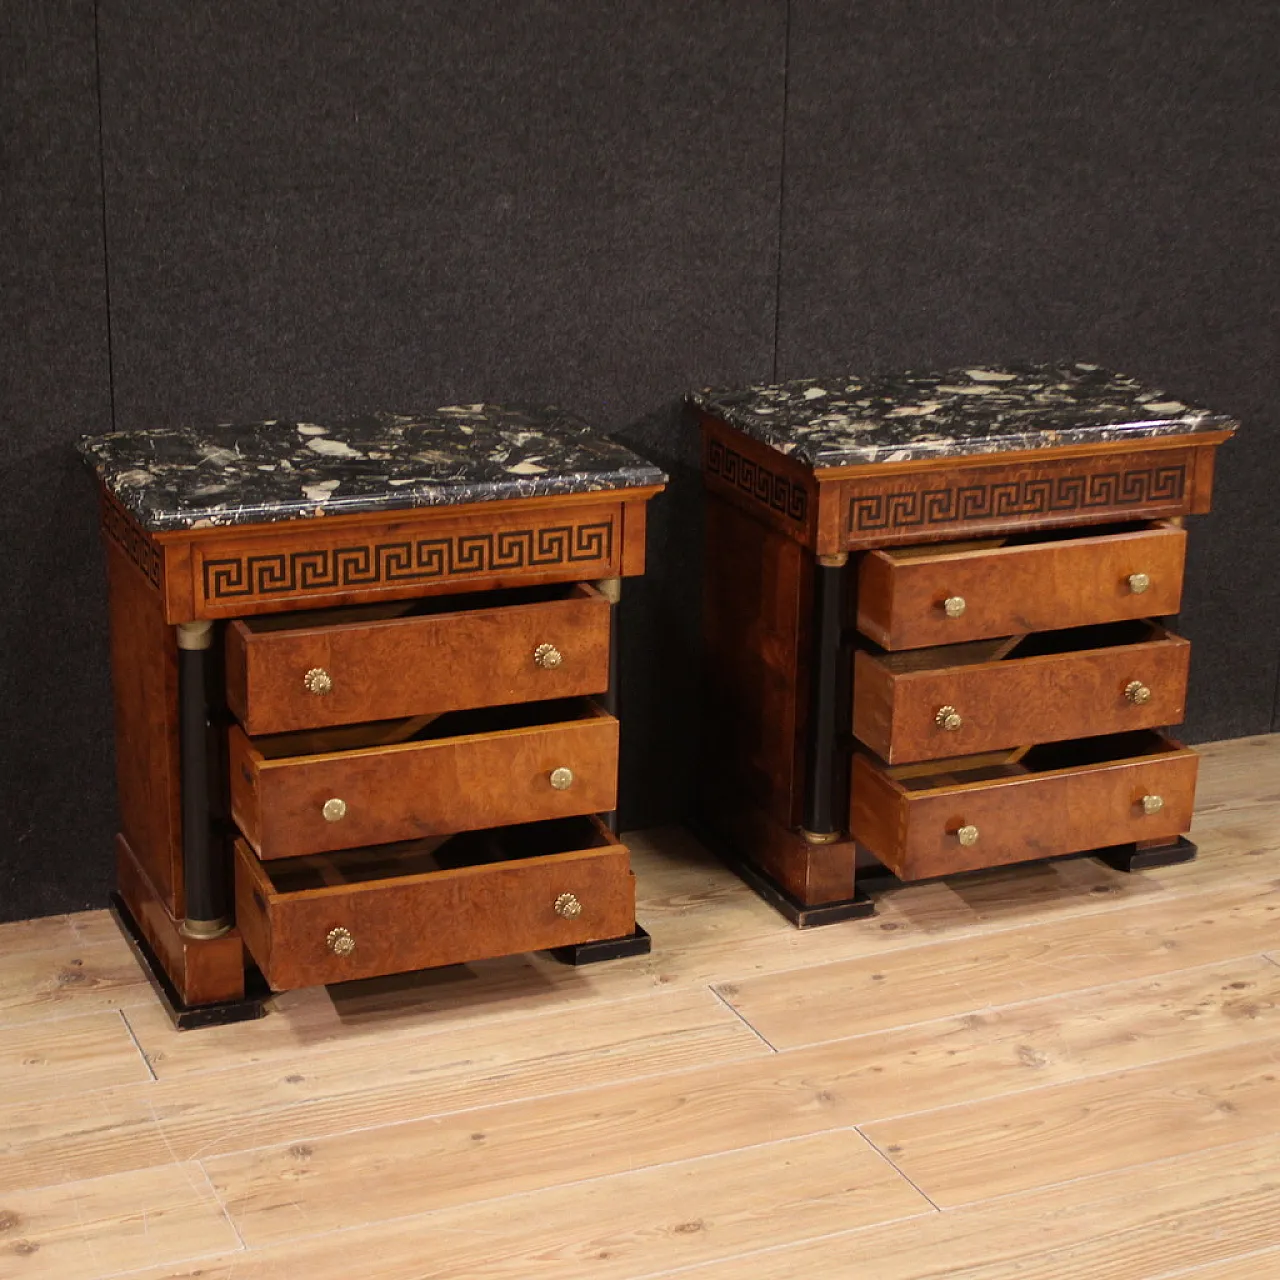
x=437, y=853
x=449, y=724
x=1021, y=761
x=426, y=606
x=1024, y=538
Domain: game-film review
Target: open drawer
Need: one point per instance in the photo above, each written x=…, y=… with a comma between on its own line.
x=414, y=657
x=423, y=903
x=928, y=704
x=1016, y=806
x=301, y=793
x=914, y=596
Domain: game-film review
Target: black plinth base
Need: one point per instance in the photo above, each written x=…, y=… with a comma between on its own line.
x=1128, y=857
x=782, y=900
x=631, y=944
x=187, y=1017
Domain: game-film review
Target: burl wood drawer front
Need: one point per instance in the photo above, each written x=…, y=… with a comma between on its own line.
x=918, y=706
x=907, y=600
x=345, y=930
x=282, y=677
x=288, y=805
x=989, y=813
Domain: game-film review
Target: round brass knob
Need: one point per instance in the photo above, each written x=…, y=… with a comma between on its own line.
x=954, y=606
x=968, y=836
x=340, y=941
x=547, y=656
x=1138, y=583
x=1137, y=692
x=318, y=681
x=568, y=906
x=334, y=810
x=562, y=778
x=1152, y=804
x=948, y=718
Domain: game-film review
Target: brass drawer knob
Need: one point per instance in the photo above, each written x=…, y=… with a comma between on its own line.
x=948, y=718
x=954, y=606
x=562, y=778
x=568, y=906
x=1137, y=692
x=1138, y=583
x=318, y=681
x=547, y=656
x=334, y=810
x=1152, y=804
x=340, y=941
x=968, y=836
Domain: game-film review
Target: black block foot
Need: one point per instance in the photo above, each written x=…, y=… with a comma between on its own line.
x=858, y=907
x=187, y=1017
x=1128, y=857
x=631, y=944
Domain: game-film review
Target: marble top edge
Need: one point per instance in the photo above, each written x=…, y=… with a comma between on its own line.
x=196, y=477
x=853, y=420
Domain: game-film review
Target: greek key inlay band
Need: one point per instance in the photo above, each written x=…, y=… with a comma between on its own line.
x=959, y=503
x=413, y=560
x=765, y=486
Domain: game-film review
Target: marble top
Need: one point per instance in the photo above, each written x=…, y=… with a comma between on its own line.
x=846, y=421
x=195, y=477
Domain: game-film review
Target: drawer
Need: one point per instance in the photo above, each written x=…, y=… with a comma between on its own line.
x=958, y=699
x=912, y=597
x=367, y=912
x=959, y=815
x=342, y=666
x=303, y=793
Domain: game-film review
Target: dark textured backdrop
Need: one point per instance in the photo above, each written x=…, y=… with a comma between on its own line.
x=266, y=208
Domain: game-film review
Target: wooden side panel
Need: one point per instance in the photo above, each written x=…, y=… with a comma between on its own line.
x=417, y=789
x=414, y=666
x=144, y=675
x=1008, y=590
x=1021, y=700
x=418, y=922
x=776, y=491
x=887, y=506
x=1022, y=818
x=203, y=971
x=306, y=564
x=757, y=601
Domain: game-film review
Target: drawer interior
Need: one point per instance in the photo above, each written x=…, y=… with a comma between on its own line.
x=1023, y=538
x=1037, y=644
x=1019, y=762
x=437, y=853
x=464, y=602
x=449, y=724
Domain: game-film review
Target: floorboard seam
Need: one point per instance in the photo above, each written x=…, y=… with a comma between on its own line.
x=755, y=1031
x=906, y=1177
x=142, y=1053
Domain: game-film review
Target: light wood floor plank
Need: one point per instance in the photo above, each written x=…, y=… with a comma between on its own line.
x=50, y=1059
x=69, y=979
x=1258, y=1266
x=851, y=997
x=619, y=1227
x=87, y=1230
x=961, y=1154
x=384, y=1081
x=1135, y=1224
x=21, y=937
x=500, y=1150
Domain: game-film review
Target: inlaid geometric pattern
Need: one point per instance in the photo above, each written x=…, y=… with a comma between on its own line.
x=132, y=540
x=407, y=560
x=749, y=476
x=959, y=503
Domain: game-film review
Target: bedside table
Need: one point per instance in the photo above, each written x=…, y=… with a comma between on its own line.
x=365, y=688
x=933, y=624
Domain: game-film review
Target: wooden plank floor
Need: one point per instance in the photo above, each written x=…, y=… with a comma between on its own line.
x=1053, y=1071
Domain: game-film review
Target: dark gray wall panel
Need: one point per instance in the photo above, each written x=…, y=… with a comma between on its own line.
x=58, y=816
x=319, y=207
x=1021, y=180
